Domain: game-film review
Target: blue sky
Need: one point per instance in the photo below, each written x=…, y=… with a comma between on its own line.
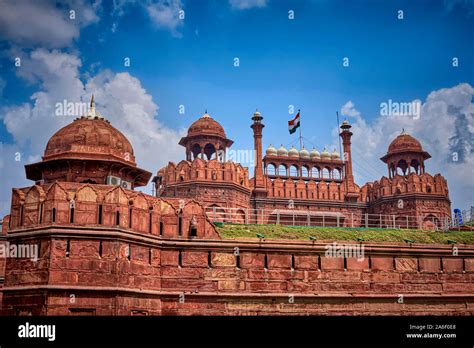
x=282, y=62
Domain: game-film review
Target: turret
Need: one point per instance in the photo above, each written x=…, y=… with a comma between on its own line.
x=405, y=154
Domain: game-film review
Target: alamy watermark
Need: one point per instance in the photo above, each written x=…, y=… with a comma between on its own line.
x=345, y=250
x=26, y=251
x=405, y=109
x=68, y=108
x=245, y=157
x=37, y=331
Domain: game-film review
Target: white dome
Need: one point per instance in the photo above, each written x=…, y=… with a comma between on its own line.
x=293, y=152
x=335, y=155
x=304, y=153
x=315, y=153
x=271, y=151
x=282, y=151
x=325, y=154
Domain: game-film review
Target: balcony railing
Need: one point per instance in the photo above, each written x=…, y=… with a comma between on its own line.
x=299, y=217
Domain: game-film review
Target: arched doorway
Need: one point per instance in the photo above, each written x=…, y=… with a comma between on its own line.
x=430, y=222
x=216, y=213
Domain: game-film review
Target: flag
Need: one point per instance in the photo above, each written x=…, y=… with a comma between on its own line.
x=294, y=123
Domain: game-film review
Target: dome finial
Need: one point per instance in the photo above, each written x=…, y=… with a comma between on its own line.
x=92, y=105
x=257, y=116
x=403, y=132
x=93, y=113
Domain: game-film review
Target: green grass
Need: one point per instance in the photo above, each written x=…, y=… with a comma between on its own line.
x=230, y=231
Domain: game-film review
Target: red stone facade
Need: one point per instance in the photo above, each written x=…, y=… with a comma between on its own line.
x=112, y=271
x=108, y=250
x=317, y=184
x=205, y=175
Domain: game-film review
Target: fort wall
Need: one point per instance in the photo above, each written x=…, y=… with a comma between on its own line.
x=114, y=271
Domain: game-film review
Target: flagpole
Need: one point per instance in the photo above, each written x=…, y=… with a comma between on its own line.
x=301, y=148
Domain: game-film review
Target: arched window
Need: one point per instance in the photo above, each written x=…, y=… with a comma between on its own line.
x=99, y=215
x=193, y=227
x=210, y=151
x=336, y=174
x=402, y=167
x=304, y=171
x=196, y=150
x=294, y=170
x=315, y=172
x=392, y=170
x=325, y=173
x=415, y=165
x=282, y=171
x=180, y=225
x=271, y=169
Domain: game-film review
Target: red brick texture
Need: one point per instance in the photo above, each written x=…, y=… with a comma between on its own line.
x=100, y=273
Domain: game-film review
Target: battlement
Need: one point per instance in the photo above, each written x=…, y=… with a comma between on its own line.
x=199, y=169
x=75, y=204
x=210, y=182
x=411, y=184
x=306, y=189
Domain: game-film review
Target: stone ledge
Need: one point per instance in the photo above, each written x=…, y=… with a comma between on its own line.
x=227, y=245
x=394, y=295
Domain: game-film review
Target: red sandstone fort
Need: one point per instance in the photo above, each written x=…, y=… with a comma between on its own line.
x=106, y=249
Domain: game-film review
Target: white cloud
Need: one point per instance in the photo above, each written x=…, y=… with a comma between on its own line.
x=58, y=77
x=119, y=97
x=33, y=23
x=122, y=99
x=246, y=4
x=10, y=169
x=164, y=14
x=445, y=126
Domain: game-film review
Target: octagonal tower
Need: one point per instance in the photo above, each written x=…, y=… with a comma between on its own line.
x=405, y=153
x=410, y=197
x=89, y=150
x=206, y=139
x=206, y=175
